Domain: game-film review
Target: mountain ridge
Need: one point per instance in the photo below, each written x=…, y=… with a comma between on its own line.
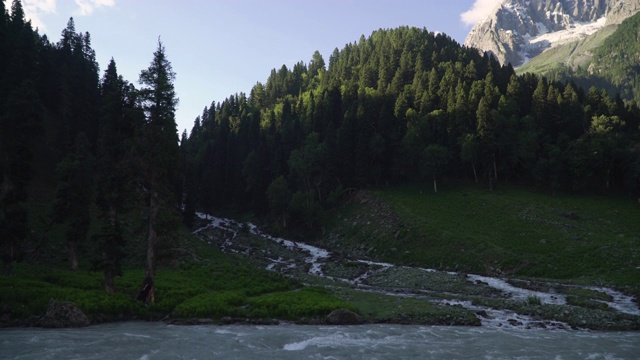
x=519, y=30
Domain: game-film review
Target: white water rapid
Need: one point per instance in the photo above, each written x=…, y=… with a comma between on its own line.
x=317, y=258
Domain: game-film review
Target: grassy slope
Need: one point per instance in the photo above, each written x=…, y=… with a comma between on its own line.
x=511, y=231
x=578, y=53
x=210, y=284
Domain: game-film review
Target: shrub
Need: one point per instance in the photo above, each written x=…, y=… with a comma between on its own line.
x=534, y=300
x=213, y=305
x=297, y=304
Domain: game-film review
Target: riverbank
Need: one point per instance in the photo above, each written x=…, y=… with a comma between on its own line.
x=235, y=272
x=385, y=292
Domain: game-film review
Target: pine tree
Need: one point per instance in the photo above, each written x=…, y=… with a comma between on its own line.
x=119, y=126
x=74, y=196
x=20, y=123
x=160, y=154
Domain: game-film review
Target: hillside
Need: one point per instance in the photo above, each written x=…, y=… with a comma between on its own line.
x=606, y=60
x=400, y=253
x=95, y=180
x=572, y=55
x=518, y=31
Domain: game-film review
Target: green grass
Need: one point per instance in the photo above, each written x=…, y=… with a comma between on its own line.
x=511, y=231
x=211, y=285
x=381, y=308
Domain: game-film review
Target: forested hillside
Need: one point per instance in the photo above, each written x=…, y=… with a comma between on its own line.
x=92, y=171
x=403, y=105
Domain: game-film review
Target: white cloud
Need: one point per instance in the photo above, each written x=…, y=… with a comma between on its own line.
x=479, y=11
x=86, y=7
x=34, y=8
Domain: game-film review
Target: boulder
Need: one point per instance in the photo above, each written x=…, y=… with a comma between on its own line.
x=344, y=317
x=61, y=314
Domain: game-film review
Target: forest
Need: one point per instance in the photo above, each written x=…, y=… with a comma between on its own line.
x=95, y=160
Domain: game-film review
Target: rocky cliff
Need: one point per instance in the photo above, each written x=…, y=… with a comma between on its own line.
x=518, y=30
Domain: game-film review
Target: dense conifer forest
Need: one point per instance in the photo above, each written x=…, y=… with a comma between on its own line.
x=92, y=157
x=403, y=105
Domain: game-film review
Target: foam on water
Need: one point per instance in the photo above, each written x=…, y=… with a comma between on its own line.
x=517, y=293
x=316, y=254
x=621, y=302
x=347, y=340
x=137, y=335
x=313, y=342
x=506, y=319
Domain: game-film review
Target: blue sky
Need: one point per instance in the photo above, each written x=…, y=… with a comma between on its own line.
x=220, y=47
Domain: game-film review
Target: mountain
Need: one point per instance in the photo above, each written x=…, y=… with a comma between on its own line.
x=607, y=59
x=519, y=30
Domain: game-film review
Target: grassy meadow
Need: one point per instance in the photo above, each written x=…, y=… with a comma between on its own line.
x=511, y=231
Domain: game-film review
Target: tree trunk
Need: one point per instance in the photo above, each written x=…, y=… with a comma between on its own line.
x=490, y=181
x=72, y=247
x=147, y=292
x=110, y=270
x=435, y=185
x=8, y=267
x=8, y=261
x=475, y=174
x=109, y=283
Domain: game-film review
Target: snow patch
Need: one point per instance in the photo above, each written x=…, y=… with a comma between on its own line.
x=576, y=32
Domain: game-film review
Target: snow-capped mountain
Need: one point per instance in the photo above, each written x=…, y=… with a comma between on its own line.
x=518, y=30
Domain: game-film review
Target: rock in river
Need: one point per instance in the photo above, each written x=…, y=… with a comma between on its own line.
x=62, y=314
x=344, y=317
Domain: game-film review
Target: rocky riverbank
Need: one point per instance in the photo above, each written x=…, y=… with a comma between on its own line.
x=404, y=294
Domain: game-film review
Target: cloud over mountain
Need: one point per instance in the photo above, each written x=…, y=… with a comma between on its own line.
x=480, y=10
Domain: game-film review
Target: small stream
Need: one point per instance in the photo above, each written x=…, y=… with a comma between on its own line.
x=317, y=259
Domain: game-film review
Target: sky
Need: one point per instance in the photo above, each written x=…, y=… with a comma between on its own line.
x=221, y=47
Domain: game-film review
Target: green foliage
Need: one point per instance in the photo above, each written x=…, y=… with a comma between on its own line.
x=533, y=300
x=294, y=305
x=382, y=308
x=213, y=305
x=28, y=293
x=370, y=116
x=222, y=288
x=587, y=303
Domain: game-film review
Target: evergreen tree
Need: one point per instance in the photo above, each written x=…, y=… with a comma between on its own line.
x=20, y=124
x=74, y=196
x=160, y=155
x=120, y=124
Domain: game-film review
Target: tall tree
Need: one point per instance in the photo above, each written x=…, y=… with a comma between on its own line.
x=120, y=123
x=20, y=119
x=74, y=196
x=161, y=154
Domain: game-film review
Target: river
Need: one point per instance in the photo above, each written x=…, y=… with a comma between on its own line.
x=138, y=340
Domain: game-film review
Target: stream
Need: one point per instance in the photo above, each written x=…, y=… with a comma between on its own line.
x=299, y=260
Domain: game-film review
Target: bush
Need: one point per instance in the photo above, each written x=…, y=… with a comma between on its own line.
x=213, y=305
x=294, y=305
x=587, y=303
x=534, y=300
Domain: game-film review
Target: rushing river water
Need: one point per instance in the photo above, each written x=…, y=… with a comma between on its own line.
x=159, y=341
